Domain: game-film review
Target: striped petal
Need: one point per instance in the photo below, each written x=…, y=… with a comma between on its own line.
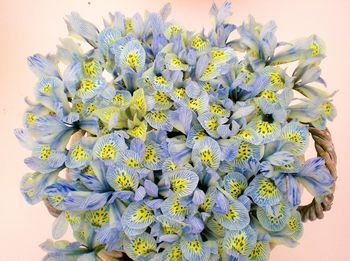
x=173, y=208
x=133, y=56
x=89, y=87
x=140, y=245
x=263, y=191
x=108, y=147
x=122, y=178
x=235, y=183
x=237, y=217
x=137, y=216
x=297, y=136
x=158, y=120
x=240, y=242
x=260, y=252
x=207, y=151
x=274, y=221
x=183, y=182
x=194, y=249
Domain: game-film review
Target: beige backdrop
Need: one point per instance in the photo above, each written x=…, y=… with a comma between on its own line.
x=28, y=27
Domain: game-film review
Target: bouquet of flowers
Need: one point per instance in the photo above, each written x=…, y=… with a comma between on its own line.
x=186, y=146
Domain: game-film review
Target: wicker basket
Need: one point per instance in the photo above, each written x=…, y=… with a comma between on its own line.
x=315, y=210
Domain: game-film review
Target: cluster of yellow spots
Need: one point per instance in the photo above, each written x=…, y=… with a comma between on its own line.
x=206, y=156
x=78, y=107
x=178, y=184
x=199, y=134
x=315, y=49
x=79, y=153
x=161, y=98
x=244, y=151
x=86, y=85
x=218, y=109
x=176, y=61
x=99, y=217
x=212, y=123
x=169, y=229
x=139, y=100
x=175, y=253
x=45, y=152
x=327, y=107
x=292, y=223
x=269, y=95
x=195, y=246
x=47, y=88
x=132, y=162
x=257, y=250
x=239, y=243
x=180, y=92
x=195, y=104
x=177, y=208
x=276, y=218
x=206, y=205
x=91, y=108
x=108, y=151
x=172, y=166
x=141, y=246
x=90, y=67
x=142, y=214
x=150, y=155
x=236, y=188
x=207, y=86
x=294, y=137
x=267, y=188
x=132, y=59
x=139, y=131
x=119, y=99
x=246, y=134
x=71, y=219
x=56, y=198
x=123, y=181
x=128, y=25
x=198, y=42
x=157, y=116
x=81, y=235
x=248, y=77
x=264, y=128
x=31, y=118
x=232, y=214
x=160, y=80
x=89, y=170
x=217, y=54
x=276, y=80
x=287, y=166
x=173, y=30
x=209, y=70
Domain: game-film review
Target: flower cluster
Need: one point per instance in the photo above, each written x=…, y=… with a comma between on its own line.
x=186, y=146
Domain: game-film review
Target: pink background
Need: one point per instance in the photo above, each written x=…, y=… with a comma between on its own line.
x=28, y=27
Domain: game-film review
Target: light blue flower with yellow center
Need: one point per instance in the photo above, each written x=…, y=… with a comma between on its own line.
x=263, y=191
x=158, y=120
x=140, y=245
x=57, y=192
x=132, y=56
x=276, y=220
x=172, y=253
x=209, y=201
x=267, y=129
x=296, y=136
x=137, y=216
x=195, y=133
x=239, y=242
x=183, y=182
x=80, y=153
x=108, y=147
x=206, y=152
x=236, y=218
x=194, y=248
x=174, y=208
x=247, y=154
x=154, y=155
x=235, y=184
x=174, y=63
x=122, y=178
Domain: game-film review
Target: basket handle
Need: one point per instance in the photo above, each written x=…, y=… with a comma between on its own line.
x=325, y=149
